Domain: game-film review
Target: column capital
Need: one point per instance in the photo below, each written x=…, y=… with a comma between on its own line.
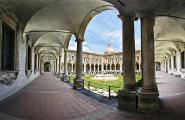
x=146, y=13
x=126, y=16
x=79, y=39
x=65, y=50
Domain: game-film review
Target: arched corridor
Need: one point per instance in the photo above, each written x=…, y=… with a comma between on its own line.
x=47, y=67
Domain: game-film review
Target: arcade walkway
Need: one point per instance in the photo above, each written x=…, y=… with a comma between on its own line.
x=47, y=98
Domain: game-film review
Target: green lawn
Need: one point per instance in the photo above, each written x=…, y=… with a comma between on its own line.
x=114, y=84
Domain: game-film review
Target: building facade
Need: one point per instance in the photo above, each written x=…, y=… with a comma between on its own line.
x=93, y=63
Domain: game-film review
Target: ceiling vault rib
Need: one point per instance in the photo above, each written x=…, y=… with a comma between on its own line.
x=169, y=41
x=49, y=31
x=47, y=46
x=120, y=2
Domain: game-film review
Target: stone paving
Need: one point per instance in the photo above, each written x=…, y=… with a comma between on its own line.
x=47, y=98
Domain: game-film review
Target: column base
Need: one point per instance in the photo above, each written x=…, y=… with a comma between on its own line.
x=65, y=78
x=78, y=83
x=148, y=101
x=127, y=99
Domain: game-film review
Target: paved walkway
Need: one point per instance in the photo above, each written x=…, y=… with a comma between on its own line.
x=47, y=98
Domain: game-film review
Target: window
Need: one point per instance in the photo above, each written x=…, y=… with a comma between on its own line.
x=7, y=47
x=111, y=59
x=84, y=58
x=182, y=59
x=116, y=59
x=174, y=61
x=137, y=57
x=72, y=58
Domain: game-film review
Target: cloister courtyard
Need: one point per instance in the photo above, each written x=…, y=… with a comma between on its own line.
x=92, y=59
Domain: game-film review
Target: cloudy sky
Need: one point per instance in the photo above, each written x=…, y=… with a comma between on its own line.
x=104, y=28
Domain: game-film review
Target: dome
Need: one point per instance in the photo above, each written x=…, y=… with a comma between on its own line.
x=109, y=49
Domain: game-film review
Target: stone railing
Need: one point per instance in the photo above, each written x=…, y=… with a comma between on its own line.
x=7, y=77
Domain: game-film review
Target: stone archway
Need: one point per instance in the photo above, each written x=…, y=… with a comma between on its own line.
x=158, y=66
x=92, y=67
x=69, y=67
x=104, y=67
x=137, y=66
x=113, y=67
x=100, y=69
x=96, y=68
x=108, y=67
x=88, y=68
x=117, y=66
x=47, y=67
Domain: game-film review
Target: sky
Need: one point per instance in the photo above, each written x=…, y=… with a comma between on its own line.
x=104, y=28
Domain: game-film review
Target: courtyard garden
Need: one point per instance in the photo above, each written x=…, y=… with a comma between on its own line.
x=108, y=85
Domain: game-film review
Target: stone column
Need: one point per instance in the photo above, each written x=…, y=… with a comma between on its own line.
x=78, y=81
x=102, y=67
x=35, y=64
x=98, y=67
x=90, y=68
x=65, y=77
x=85, y=68
x=37, y=60
x=59, y=66
x=148, y=94
x=0, y=34
x=121, y=66
x=56, y=67
x=94, y=68
x=127, y=96
x=178, y=63
x=139, y=67
x=40, y=67
x=72, y=67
